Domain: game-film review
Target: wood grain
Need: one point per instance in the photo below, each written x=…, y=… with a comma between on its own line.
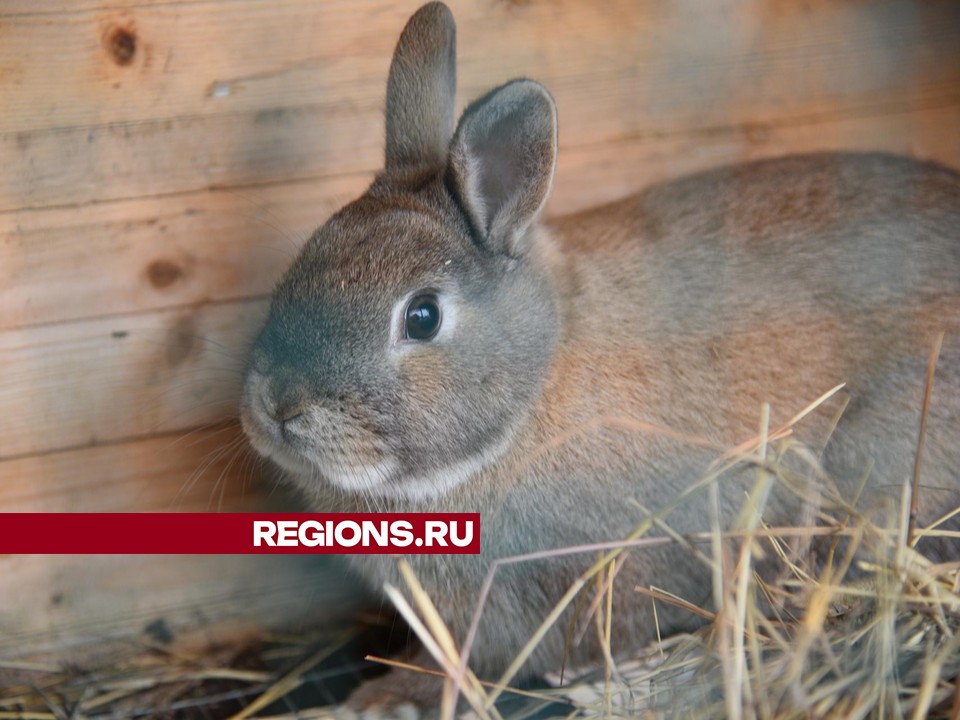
x=207, y=470
x=13, y=8
x=63, y=604
x=79, y=128
x=159, y=252
x=733, y=57
x=589, y=177
x=104, y=380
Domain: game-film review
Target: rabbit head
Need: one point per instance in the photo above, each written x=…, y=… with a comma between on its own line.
x=413, y=333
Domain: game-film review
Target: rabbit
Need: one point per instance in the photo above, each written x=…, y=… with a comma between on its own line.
x=436, y=346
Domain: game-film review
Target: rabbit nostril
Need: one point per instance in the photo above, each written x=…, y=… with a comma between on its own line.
x=280, y=404
x=286, y=418
x=290, y=413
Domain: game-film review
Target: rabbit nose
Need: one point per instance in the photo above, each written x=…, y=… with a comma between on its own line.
x=282, y=407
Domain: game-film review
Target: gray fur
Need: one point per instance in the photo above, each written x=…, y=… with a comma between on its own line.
x=502, y=161
x=686, y=307
x=421, y=89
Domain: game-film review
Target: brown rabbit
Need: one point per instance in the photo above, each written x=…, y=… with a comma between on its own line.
x=436, y=348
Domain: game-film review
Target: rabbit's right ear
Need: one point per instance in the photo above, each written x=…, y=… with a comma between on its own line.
x=421, y=89
x=502, y=161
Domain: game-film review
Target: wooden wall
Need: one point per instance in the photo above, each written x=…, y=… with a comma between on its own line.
x=160, y=161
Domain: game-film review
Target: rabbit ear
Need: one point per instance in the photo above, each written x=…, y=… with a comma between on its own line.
x=421, y=89
x=502, y=162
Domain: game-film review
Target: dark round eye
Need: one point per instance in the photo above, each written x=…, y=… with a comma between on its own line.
x=422, y=318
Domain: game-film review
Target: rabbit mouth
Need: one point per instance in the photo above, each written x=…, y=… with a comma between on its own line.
x=352, y=476
x=354, y=469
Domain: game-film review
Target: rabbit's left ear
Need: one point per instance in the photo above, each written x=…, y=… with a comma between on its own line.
x=421, y=89
x=502, y=162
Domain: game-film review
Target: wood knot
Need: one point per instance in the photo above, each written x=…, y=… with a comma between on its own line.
x=121, y=44
x=163, y=273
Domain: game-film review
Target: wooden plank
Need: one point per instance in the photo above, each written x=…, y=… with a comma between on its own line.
x=207, y=470
x=57, y=602
x=108, y=379
x=128, y=64
x=736, y=52
x=153, y=253
x=13, y=8
x=74, y=166
x=587, y=177
x=301, y=108
x=53, y=603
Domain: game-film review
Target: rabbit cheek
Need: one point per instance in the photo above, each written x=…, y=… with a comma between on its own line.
x=444, y=436
x=338, y=443
x=347, y=459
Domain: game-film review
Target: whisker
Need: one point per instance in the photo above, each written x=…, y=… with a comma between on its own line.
x=222, y=478
x=213, y=457
x=209, y=430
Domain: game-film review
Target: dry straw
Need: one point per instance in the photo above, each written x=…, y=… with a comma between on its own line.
x=870, y=628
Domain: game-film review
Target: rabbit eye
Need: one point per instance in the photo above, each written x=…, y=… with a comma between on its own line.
x=421, y=321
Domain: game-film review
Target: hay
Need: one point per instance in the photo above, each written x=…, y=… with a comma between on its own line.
x=866, y=628
x=239, y=678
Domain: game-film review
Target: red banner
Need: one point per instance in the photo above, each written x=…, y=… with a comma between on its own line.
x=238, y=533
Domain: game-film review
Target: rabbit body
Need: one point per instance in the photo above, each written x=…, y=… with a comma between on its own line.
x=685, y=308
x=588, y=370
